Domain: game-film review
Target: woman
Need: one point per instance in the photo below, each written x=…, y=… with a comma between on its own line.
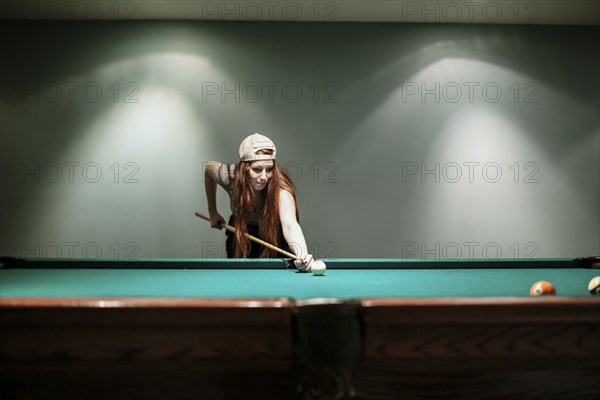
x=263, y=203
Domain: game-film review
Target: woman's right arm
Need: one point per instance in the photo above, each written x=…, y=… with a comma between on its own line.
x=211, y=177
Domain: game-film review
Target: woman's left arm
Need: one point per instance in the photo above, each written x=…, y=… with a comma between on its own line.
x=292, y=232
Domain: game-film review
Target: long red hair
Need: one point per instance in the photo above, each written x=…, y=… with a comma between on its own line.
x=245, y=203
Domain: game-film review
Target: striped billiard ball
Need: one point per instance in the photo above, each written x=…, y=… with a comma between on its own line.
x=594, y=285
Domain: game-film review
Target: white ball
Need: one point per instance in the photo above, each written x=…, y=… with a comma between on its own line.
x=318, y=267
x=594, y=285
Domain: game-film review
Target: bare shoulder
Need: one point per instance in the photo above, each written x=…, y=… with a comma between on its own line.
x=286, y=200
x=222, y=173
x=285, y=195
x=212, y=167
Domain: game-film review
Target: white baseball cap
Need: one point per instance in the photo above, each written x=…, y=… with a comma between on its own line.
x=252, y=144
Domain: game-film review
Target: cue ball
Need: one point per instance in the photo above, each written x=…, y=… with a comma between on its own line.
x=542, y=288
x=594, y=285
x=318, y=267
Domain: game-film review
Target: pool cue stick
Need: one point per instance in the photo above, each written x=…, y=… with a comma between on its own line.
x=257, y=240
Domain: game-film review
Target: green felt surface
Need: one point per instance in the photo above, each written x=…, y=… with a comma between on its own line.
x=267, y=283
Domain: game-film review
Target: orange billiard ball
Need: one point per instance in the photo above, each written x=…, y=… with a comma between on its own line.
x=542, y=288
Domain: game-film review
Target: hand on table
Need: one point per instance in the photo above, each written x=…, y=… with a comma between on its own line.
x=304, y=264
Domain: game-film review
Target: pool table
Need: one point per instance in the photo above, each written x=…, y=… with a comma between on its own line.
x=243, y=329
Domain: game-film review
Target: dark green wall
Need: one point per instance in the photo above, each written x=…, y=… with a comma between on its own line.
x=413, y=140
